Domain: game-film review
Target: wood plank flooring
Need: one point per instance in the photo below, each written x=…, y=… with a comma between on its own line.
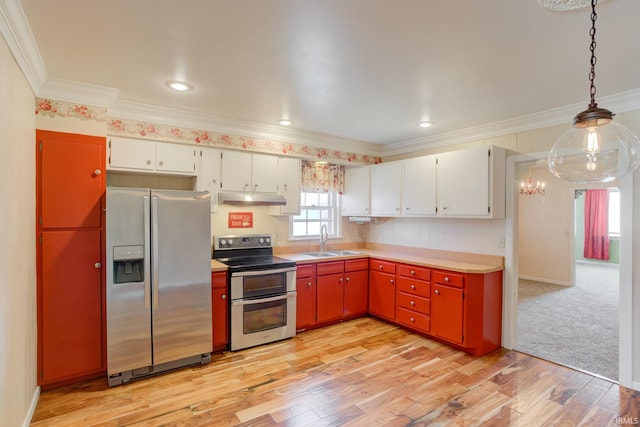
x=358, y=373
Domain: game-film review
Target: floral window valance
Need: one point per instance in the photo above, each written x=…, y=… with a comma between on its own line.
x=322, y=177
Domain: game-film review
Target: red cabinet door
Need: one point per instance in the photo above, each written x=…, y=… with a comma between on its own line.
x=447, y=313
x=382, y=294
x=71, y=307
x=330, y=297
x=220, y=311
x=356, y=293
x=71, y=179
x=305, y=302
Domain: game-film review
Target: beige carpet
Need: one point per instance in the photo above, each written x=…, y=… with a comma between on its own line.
x=574, y=326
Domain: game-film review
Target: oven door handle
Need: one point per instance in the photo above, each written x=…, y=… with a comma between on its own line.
x=263, y=300
x=263, y=272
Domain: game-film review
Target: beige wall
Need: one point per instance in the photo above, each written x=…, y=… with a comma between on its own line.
x=17, y=244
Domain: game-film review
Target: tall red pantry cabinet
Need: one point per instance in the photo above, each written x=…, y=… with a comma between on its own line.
x=70, y=187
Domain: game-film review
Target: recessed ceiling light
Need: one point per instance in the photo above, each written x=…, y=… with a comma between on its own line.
x=425, y=124
x=179, y=86
x=285, y=122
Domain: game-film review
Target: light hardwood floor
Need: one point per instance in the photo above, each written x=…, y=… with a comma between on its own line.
x=358, y=373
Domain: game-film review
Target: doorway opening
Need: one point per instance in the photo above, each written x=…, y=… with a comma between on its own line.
x=567, y=304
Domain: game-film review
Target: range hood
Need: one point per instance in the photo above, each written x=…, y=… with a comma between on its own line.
x=251, y=199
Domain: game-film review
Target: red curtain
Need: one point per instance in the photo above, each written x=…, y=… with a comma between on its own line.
x=596, y=224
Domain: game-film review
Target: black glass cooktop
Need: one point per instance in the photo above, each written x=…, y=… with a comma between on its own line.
x=250, y=263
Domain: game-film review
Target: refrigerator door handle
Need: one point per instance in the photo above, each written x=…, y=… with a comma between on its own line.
x=147, y=258
x=154, y=250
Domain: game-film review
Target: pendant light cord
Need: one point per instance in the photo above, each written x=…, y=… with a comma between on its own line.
x=592, y=48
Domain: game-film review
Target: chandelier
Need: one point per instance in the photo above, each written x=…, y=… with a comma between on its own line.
x=595, y=149
x=530, y=188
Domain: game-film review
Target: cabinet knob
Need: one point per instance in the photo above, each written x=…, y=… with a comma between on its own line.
x=161, y=163
x=223, y=297
x=308, y=284
x=366, y=209
x=413, y=273
x=392, y=281
x=347, y=279
x=412, y=303
x=340, y=280
x=97, y=172
x=412, y=319
x=98, y=265
x=397, y=209
x=446, y=278
x=380, y=267
x=437, y=292
x=413, y=287
x=148, y=162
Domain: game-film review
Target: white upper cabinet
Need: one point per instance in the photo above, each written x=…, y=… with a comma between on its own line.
x=208, y=167
x=289, y=182
x=419, y=186
x=471, y=183
x=242, y=171
x=355, y=199
x=139, y=155
x=386, y=193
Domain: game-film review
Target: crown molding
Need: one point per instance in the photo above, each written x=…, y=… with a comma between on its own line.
x=620, y=102
x=79, y=93
x=17, y=34
x=130, y=110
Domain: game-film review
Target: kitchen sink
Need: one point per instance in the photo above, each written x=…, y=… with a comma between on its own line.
x=321, y=254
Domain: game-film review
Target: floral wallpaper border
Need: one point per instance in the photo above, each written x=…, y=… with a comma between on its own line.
x=159, y=132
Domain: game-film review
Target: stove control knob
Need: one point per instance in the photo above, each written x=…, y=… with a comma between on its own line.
x=223, y=242
x=268, y=240
x=230, y=241
x=261, y=240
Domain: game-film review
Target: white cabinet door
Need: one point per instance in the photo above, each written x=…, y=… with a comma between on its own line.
x=176, y=158
x=209, y=173
x=289, y=182
x=419, y=186
x=386, y=189
x=463, y=183
x=264, y=173
x=355, y=200
x=236, y=171
x=131, y=154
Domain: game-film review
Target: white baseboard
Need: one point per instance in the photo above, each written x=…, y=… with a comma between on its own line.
x=32, y=407
x=544, y=280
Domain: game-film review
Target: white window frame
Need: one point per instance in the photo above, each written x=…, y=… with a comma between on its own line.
x=614, y=213
x=333, y=222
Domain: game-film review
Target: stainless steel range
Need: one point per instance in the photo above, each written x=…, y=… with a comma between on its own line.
x=262, y=288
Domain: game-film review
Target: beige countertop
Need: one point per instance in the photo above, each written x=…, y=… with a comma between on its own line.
x=454, y=261
x=447, y=260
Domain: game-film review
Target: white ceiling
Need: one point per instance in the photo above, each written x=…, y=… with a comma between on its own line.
x=363, y=70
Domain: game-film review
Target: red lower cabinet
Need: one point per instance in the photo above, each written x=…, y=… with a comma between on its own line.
x=220, y=310
x=447, y=308
x=382, y=289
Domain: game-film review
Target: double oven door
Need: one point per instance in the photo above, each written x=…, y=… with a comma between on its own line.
x=263, y=306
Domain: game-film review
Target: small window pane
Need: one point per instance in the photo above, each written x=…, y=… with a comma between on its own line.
x=299, y=228
x=314, y=229
x=323, y=199
x=313, y=214
x=312, y=199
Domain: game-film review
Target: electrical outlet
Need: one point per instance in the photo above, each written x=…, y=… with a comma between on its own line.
x=501, y=242
x=278, y=237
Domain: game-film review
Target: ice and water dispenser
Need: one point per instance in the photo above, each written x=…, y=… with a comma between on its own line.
x=128, y=264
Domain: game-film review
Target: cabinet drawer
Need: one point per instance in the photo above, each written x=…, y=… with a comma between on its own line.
x=356, y=264
x=330, y=267
x=421, y=273
x=415, y=303
x=415, y=287
x=305, y=270
x=379, y=265
x=413, y=319
x=450, y=279
x=218, y=280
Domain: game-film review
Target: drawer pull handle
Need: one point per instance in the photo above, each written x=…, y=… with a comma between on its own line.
x=391, y=281
x=413, y=273
x=446, y=278
x=347, y=279
x=380, y=267
x=412, y=303
x=412, y=319
x=437, y=292
x=413, y=287
x=224, y=297
x=308, y=284
x=340, y=280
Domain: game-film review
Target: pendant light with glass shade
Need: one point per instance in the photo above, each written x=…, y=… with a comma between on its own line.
x=595, y=149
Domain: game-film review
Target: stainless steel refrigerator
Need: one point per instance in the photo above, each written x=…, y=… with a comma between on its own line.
x=158, y=281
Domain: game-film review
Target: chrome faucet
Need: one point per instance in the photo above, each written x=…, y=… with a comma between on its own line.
x=324, y=236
